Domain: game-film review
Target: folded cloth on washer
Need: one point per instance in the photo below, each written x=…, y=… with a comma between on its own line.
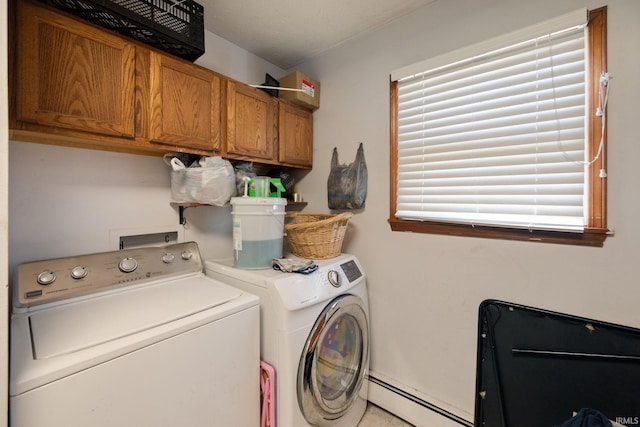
x=294, y=265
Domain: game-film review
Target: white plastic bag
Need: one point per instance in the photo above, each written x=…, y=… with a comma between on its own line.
x=210, y=181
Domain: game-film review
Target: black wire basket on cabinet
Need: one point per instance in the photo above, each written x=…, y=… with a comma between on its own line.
x=176, y=27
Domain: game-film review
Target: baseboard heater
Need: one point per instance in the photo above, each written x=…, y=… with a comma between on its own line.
x=436, y=410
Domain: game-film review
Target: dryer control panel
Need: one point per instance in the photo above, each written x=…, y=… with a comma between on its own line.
x=43, y=282
x=333, y=277
x=351, y=270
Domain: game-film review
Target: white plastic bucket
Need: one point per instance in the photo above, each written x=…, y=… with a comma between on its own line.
x=258, y=229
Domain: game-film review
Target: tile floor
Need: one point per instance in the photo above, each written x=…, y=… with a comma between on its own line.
x=378, y=417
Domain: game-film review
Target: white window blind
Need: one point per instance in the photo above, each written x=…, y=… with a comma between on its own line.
x=497, y=138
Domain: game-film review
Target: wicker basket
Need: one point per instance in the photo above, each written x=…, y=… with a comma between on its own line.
x=316, y=236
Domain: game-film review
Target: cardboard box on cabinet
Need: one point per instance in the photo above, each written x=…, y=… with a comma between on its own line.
x=309, y=97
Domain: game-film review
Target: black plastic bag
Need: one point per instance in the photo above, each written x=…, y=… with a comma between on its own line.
x=347, y=184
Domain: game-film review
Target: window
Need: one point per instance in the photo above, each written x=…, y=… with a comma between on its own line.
x=506, y=139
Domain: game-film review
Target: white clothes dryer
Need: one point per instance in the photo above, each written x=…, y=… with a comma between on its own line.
x=132, y=338
x=315, y=333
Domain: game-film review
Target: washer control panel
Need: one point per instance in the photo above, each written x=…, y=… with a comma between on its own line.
x=42, y=282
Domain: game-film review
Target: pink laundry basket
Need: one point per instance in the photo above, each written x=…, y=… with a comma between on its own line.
x=268, y=395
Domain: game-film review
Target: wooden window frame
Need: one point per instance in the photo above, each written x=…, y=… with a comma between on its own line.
x=596, y=230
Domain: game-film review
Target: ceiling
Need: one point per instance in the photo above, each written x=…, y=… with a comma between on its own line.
x=288, y=32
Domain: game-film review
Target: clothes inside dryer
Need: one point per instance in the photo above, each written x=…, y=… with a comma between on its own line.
x=339, y=357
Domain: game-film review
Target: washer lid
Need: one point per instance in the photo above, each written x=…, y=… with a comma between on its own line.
x=82, y=324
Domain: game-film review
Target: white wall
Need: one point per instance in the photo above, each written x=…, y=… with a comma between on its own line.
x=232, y=61
x=425, y=289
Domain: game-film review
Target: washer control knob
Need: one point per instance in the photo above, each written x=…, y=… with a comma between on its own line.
x=187, y=255
x=128, y=265
x=46, y=278
x=334, y=278
x=79, y=272
x=168, y=258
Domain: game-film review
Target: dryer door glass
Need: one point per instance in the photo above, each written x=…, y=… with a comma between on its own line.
x=334, y=361
x=339, y=357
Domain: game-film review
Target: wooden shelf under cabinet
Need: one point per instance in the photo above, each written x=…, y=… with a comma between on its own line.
x=291, y=206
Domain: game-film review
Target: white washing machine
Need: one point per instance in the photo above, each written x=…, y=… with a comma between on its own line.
x=315, y=333
x=138, y=338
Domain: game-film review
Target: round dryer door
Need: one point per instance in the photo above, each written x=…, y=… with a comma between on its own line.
x=334, y=361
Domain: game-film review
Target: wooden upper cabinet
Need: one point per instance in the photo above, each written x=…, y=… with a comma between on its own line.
x=252, y=124
x=73, y=83
x=295, y=135
x=185, y=104
x=72, y=75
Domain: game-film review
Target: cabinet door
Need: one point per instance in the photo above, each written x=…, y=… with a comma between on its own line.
x=252, y=123
x=185, y=104
x=295, y=135
x=71, y=75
